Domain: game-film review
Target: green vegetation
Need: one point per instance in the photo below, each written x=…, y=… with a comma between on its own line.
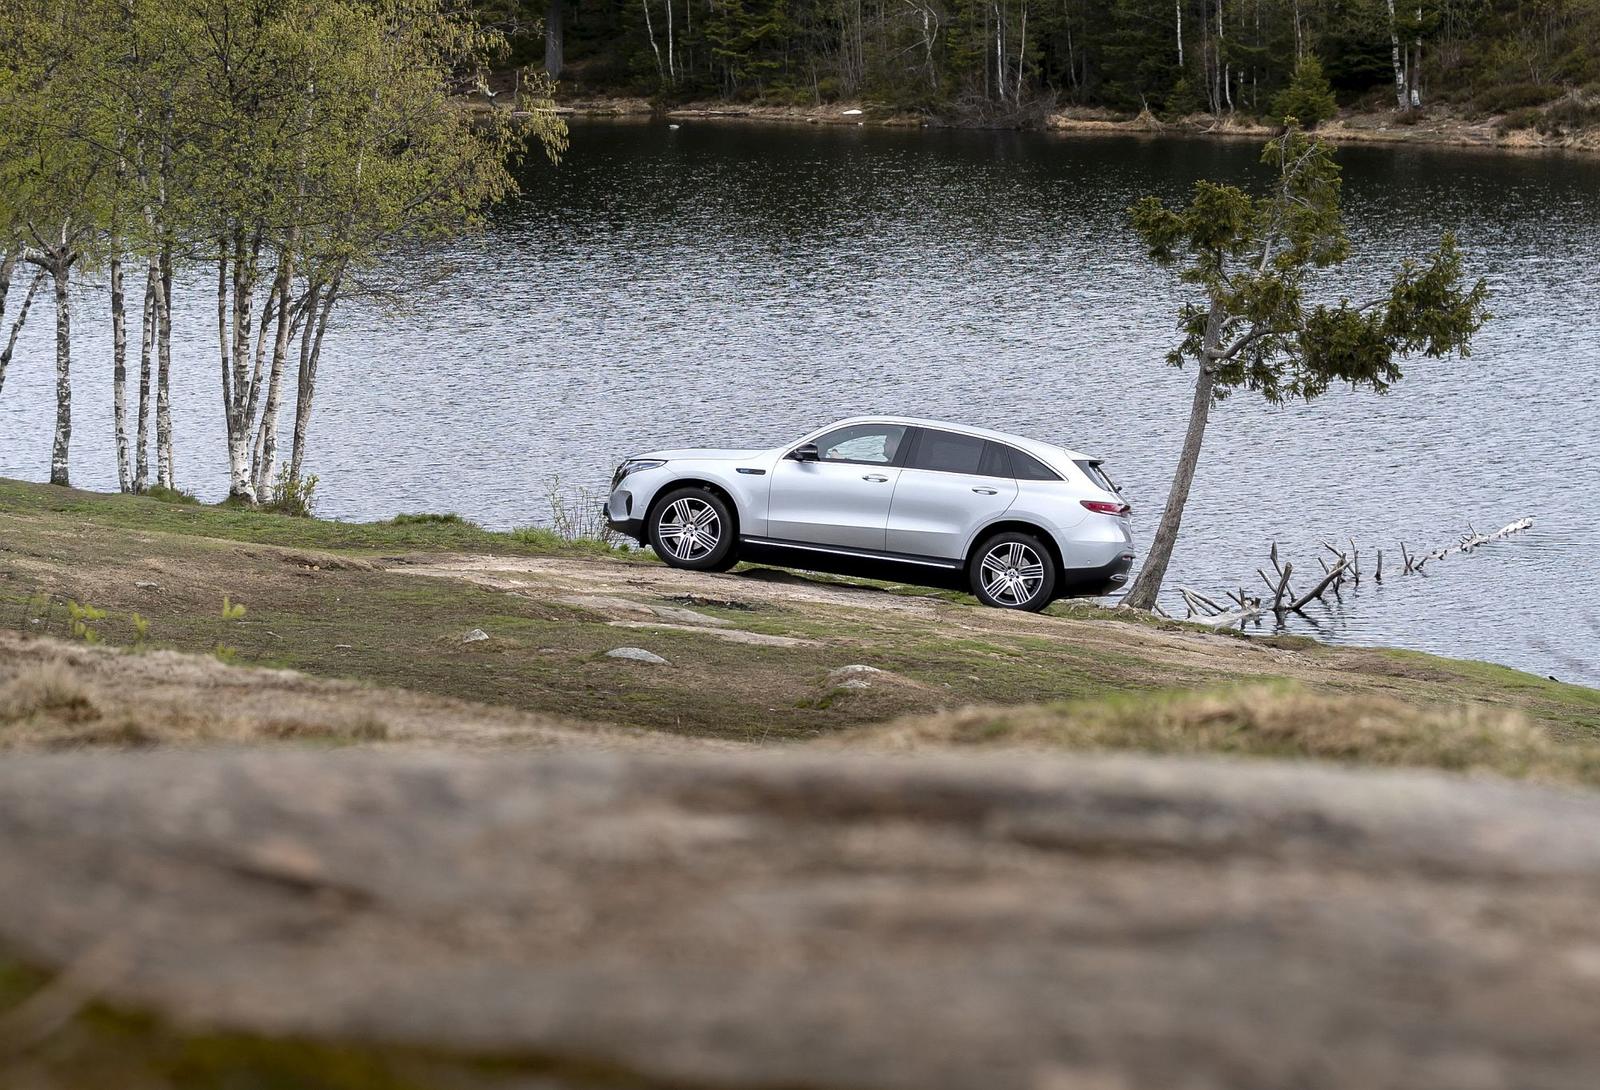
x=1308, y=98
x=1253, y=259
x=1012, y=56
x=102, y=1045
x=401, y=534
x=281, y=147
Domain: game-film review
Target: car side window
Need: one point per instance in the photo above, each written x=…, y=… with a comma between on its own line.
x=948, y=452
x=873, y=444
x=995, y=461
x=1028, y=468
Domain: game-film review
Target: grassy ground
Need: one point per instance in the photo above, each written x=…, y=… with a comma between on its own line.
x=376, y=613
x=342, y=600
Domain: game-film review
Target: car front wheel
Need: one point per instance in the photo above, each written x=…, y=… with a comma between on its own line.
x=1013, y=571
x=693, y=528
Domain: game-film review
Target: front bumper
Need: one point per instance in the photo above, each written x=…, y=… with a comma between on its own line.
x=629, y=527
x=1106, y=579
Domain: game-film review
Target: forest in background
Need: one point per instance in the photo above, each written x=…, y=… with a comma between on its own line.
x=1534, y=61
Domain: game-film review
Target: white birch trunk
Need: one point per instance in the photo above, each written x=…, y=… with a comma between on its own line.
x=1022, y=52
x=1227, y=69
x=8, y=266
x=1416, y=67
x=1177, y=9
x=1000, y=52
x=164, y=453
x=310, y=356
x=16, y=326
x=61, y=447
x=1394, y=53
x=119, y=369
x=672, y=63
x=267, y=435
x=649, y=29
x=147, y=342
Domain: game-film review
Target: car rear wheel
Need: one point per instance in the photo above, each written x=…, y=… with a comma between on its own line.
x=693, y=528
x=1013, y=571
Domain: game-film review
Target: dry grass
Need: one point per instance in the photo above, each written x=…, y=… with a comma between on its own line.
x=57, y=695
x=47, y=690
x=1270, y=720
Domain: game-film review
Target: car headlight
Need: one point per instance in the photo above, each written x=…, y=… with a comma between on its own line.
x=634, y=465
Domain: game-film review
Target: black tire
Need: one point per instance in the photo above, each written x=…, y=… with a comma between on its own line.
x=689, y=549
x=1023, y=575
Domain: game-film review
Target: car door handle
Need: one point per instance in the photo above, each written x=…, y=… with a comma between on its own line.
x=879, y=477
x=986, y=491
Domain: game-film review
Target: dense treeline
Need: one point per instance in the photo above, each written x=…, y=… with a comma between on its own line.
x=1172, y=56
x=264, y=151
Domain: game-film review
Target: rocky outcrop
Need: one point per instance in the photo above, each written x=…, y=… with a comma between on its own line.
x=834, y=920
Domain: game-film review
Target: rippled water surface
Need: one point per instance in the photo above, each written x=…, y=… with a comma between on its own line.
x=730, y=285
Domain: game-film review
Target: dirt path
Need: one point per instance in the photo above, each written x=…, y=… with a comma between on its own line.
x=629, y=595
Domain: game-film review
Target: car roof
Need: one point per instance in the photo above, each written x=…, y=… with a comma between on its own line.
x=1046, y=452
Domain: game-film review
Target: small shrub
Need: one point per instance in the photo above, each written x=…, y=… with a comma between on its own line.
x=1514, y=96
x=296, y=496
x=170, y=495
x=1308, y=98
x=578, y=514
x=231, y=611
x=82, y=619
x=1571, y=113
x=141, y=630
x=424, y=518
x=1527, y=118
x=1184, y=99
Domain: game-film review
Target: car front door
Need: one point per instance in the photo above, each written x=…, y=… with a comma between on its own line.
x=842, y=497
x=951, y=485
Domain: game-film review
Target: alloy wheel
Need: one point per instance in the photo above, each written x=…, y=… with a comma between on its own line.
x=689, y=529
x=1012, y=573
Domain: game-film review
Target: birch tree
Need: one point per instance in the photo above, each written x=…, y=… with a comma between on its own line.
x=51, y=170
x=1252, y=260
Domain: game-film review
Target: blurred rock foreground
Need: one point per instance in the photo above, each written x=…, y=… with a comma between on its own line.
x=831, y=920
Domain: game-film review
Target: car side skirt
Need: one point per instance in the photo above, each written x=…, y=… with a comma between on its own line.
x=858, y=554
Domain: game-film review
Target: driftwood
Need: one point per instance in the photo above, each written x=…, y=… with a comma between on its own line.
x=1346, y=568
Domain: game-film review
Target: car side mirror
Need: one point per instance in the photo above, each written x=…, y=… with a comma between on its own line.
x=805, y=452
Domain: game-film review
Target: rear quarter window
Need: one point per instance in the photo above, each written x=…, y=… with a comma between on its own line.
x=1028, y=468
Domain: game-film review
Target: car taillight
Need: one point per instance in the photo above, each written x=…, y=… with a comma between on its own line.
x=1107, y=507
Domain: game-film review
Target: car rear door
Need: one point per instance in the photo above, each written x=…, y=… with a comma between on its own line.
x=842, y=498
x=951, y=485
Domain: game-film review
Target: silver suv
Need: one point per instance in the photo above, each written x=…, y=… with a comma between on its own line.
x=1023, y=522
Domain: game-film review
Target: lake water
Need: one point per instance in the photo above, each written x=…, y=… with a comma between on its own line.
x=736, y=285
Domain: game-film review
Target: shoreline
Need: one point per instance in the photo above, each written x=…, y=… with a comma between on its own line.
x=1350, y=127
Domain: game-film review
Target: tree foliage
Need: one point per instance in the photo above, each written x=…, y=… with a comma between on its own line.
x=1253, y=259
x=1253, y=263
x=284, y=145
x=1308, y=99
x=1221, y=56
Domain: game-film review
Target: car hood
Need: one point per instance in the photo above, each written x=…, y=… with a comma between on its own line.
x=704, y=455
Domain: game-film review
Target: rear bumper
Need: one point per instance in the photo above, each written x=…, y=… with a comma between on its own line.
x=1108, y=578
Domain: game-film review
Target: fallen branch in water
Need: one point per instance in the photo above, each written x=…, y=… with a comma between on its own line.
x=1345, y=568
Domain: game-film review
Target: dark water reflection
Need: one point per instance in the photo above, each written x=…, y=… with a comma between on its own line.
x=736, y=285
